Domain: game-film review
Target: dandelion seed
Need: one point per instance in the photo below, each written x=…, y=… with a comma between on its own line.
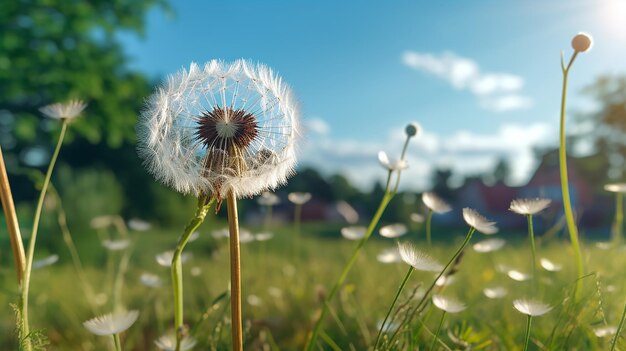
x=582, y=42
x=348, y=212
x=478, y=222
x=616, y=187
x=150, y=280
x=45, y=262
x=268, y=199
x=445, y=280
x=167, y=342
x=550, y=266
x=165, y=258
x=68, y=110
x=263, y=236
x=489, y=245
x=417, y=259
x=529, y=206
x=531, y=307
x=602, y=332
x=139, y=225
x=254, y=300
x=435, y=203
x=299, y=198
x=220, y=128
x=398, y=165
x=448, y=304
x=112, y=323
x=393, y=230
x=116, y=245
x=354, y=232
x=389, y=256
x=416, y=217
x=518, y=276
x=495, y=293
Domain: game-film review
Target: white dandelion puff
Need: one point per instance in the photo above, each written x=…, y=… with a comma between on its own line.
x=245, y=236
x=150, y=280
x=112, y=323
x=418, y=259
x=115, y=245
x=531, y=307
x=219, y=128
x=529, y=206
x=518, y=276
x=354, y=232
x=299, y=198
x=67, y=110
x=435, y=203
x=391, y=255
x=602, y=332
x=549, y=265
x=139, y=225
x=393, y=230
x=448, y=304
x=264, y=236
x=347, y=212
x=495, y=292
x=391, y=165
x=616, y=187
x=254, y=300
x=167, y=342
x=220, y=233
x=268, y=199
x=478, y=222
x=445, y=280
x=416, y=217
x=489, y=245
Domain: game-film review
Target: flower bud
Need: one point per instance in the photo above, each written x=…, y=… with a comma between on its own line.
x=582, y=42
x=412, y=129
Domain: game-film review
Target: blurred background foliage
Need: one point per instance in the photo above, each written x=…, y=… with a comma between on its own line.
x=52, y=51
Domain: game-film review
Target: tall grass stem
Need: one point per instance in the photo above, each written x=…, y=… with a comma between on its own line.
x=432, y=345
x=527, y=337
x=13, y=225
x=235, y=273
x=619, y=330
x=393, y=303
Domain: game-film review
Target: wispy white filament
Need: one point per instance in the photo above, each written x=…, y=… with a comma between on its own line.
x=529, y=206
x=67, y=110
x=112, y=323
x=435, y=203
x=418, y=259
x=531, y=307
x=478, y=222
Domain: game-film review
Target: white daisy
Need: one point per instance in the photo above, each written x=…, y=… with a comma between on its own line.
x=448, y=304
x=354, y=232
x=616, y=187
x=435, y=203
x=393, y=230
x=478, y=222
x=489, y=245
x=299, y=198
x=529, y=206
x=68, y=110
x=391, y=165
x=112, y=323
x=167, y=342
x=531, y=307
x=418, y=259
x=219, y=128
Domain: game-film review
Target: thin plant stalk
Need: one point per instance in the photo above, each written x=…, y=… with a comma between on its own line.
x=393, y=303
x=117, y=342
x=619, y=329
x=531, y=237
x=33, y=237
x=527, y=337
x=13, y=226
x=235, y=273
x=297, y=218
x=429, y=218
x=443, y=316
x=567, y=203
x=177, y=267
x=118, y=283
x=619, y=217
x=389, y=194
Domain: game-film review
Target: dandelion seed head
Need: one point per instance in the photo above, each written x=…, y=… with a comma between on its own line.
x=489, y=245
x=616, y=187
x=353, y=232
x=418, y=259
x=435, y=203
x=478, y=222
x=529, y=206
x=268, y=199
x=518, y=276
x=150, y=280
x=393, y=230
x=264, y=236
x=416, y=217
x=219, y=128
x=139, y=225
x=116, y=245
x=582, y=42
x=299, y=198
x=602, y=332
x=389, y=256
x=531, y=307
x=549, y=265
x=448, y=304
x=398, y=165
x=112, y=323
x=495, y=292
x=167, y=342
x=165, y=258
x=67, y=110
x=412, y=129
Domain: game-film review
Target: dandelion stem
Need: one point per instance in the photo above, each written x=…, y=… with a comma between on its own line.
x=177, y=267
x=33, y=236
x=527, y=337
x=117, y=342
x=296, y=229
x=235, y=273
x=619, y=329
x=567, y=204
x=619, y=217
x=393, y=303
x=17, y=246
x=432, y=345
x=429, y=218
x=531, y=236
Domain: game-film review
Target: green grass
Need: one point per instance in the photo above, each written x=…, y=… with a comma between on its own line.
x=290, y=286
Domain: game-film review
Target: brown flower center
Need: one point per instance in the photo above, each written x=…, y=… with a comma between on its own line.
x=224, y=127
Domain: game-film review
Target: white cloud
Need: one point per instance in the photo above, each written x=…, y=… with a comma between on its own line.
x=317, y=125
x=498, y=92
x=466, y=153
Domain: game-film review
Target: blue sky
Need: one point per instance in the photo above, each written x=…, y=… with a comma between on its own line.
x=482, y=77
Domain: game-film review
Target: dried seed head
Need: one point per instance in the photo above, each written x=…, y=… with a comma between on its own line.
x=582, y=42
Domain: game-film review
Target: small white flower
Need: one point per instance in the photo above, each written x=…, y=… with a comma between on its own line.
x=489, y=245
x=165, y=258
x=389, y=256
x=529, y=206
x=268, y=199
x=435, y=203
x=393, y=230
x=167, y=342
x=150, y=280
x=418, y=259
x=354, y=232
x=518, y=276
x=531, y=307
x=220, y=128
x=68, y=110
x=139, y=225
x=549, y=265
x=45, y=262
x=602, y=332
x=112, y=323
x=299, y=198
x=447, y=304
x=495, y=293
x=616, y=187
x=417, y=218
x=265, y=236
x=478, y=222
x=391, y=165
x=116, y=245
